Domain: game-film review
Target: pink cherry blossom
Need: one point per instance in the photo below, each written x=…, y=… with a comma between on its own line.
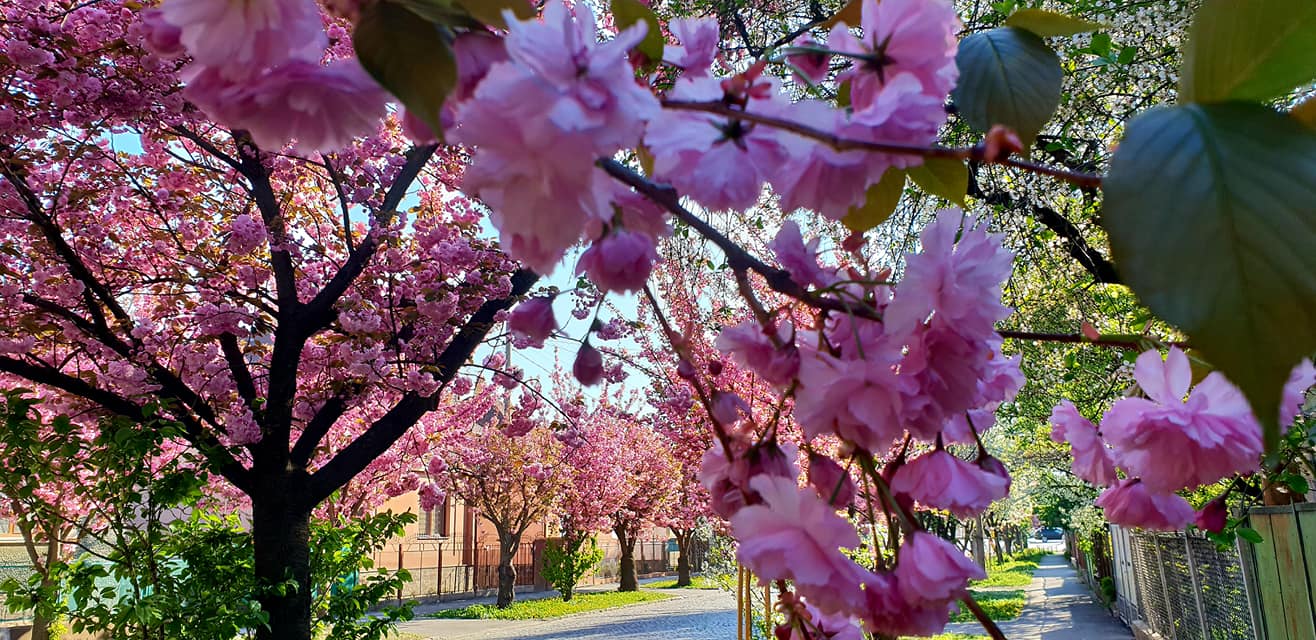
x=593, y=81
x=162, y=37
x=431, y=496
x=748, y=345
x=240, y=39
x=940, y=480
x=247, y=233
x=858, y=400
x=1132, y=503
x=588, y=367
x=929, y=569
x=1172, y=443
x=888, y=611
x=798, y=258
x=795, y=536
x=832, y=482
x=699, y=38
x=533, y=320
x=1295, y=391
x=1092, y=460
x=320, y=108
x=957, y=282
x=620, y=261
x=720, y=162
x=901, y=36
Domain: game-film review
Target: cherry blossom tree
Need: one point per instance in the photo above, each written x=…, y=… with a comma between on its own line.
x=511, y=474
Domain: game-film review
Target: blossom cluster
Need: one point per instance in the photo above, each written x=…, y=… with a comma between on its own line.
x=260, y=67
x=1170, y=440
x=920, y=371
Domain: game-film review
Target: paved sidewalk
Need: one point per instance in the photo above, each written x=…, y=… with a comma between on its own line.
x=691, y=614
x=1059, y=607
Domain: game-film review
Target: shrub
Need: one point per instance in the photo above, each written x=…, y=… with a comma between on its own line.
x=567, y=560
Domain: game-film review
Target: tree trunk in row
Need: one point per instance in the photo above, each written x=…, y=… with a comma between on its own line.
x=626, y=570
x=683, y=539
x=281, y=534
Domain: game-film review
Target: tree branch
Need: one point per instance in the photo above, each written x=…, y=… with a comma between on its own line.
x=978, y=153
x=392, y=425
x=117, y=404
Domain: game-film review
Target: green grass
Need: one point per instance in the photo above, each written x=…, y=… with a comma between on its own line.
x=1015, y=572
x=552, y=607
x=998, y=605
x=696, y=582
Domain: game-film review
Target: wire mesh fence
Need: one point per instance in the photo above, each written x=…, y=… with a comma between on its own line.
x=1181, y=586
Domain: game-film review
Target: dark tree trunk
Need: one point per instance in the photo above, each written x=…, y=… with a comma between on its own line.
x=626, y=568
x=507, y=544
x=683, y=539
x=40, y=628
x=281, y=533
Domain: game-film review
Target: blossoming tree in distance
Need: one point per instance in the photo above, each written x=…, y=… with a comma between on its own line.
x=202, y=209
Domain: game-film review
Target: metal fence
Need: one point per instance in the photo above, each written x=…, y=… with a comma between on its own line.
x=450, y=569
x=1181, y=586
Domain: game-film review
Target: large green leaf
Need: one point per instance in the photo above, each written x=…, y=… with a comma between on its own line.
x=490, y=12
x=408, y=56
x=1211, y=213
x=1007, y=76
x=1049, y=23
x=629, y=12
x=879, y=202
x=942, y=177
x=1248, y=50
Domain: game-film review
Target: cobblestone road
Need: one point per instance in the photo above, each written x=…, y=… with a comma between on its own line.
x=693, y=614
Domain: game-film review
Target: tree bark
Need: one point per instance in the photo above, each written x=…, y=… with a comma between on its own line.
x=626, y=568
x=979, y=550
x=507, y=545
x=281, y=533
x=683, y=539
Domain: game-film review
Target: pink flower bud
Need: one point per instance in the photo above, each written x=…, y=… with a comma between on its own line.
x=588, y=367
x=619, y=261
x=533, y=319
x=829, y=479
x=686, y=370
x=813, y=65
x=727, y=408
x=1213, y=516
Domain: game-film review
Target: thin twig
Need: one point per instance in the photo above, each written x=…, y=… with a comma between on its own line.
x=976, y=153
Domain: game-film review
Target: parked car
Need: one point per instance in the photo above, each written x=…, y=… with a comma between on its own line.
x=1050, y=533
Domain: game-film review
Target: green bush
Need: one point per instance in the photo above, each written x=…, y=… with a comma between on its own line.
x=1107, y=588
x=567, y=560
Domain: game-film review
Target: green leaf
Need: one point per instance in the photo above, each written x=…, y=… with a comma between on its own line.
x=490, y=12
x=1007, y=76
x=1211, y=213
x=408, y=56
x=942, y=177
x=1049, y=23
x=629, y=12
x=442, y=12
x=1253, y=50
x=1250, y=535
x=879, y=202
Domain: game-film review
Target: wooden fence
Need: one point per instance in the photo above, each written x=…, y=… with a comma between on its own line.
x=1285, y=568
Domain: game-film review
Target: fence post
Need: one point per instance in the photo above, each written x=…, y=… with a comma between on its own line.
x=1247, y=566
x=399, y=569
x=438, y=581
x=1165, y=591
x=1205, y=625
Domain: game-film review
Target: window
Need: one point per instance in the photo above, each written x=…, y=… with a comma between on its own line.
x=434, y=522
